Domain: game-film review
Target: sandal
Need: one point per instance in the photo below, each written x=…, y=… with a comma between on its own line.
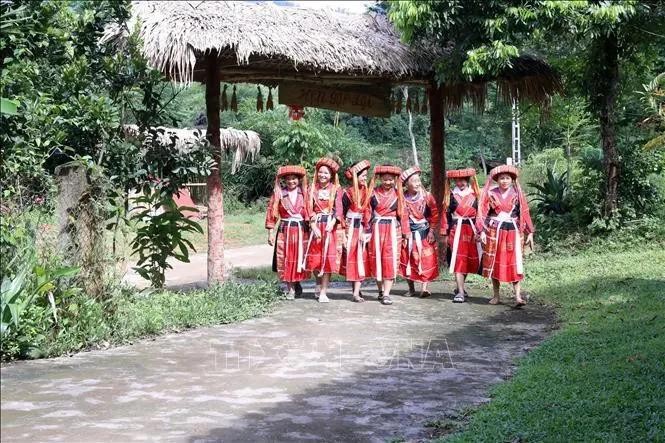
x=519, y=304
x=425, y=294
x=380, y=297
x=459, y=298
x=386, y=300
x=410, y=293
x=495, y=301
x=358, y=299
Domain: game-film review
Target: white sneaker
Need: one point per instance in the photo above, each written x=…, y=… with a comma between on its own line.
x=323, y=298
x=290, y=295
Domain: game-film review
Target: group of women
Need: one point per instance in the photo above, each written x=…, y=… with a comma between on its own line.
x=385, y=227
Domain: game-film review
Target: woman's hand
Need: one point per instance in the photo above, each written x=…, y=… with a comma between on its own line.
x=271, y=238
x=529, y=240
x=483, y=237
x=343, y=238
x=330, y=225
x=366, y=238
x=316, y=231
x=430, y=237
x=405, y=240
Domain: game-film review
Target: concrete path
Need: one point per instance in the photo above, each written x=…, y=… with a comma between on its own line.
x=307, y=372
x=195, y=273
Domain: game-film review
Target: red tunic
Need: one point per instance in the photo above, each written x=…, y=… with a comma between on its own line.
x=419, y=259
x=354, y=265
x=502, y=257
x=288, y=256
x=324, y=254
x=464, y=253
x=387, y=227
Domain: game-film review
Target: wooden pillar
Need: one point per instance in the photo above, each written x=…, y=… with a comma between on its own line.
x=437, y=153
x=437, y=148
x=215, y=190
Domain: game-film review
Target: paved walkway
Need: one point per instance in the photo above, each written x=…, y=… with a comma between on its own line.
x=307, y=372
x=195, y=273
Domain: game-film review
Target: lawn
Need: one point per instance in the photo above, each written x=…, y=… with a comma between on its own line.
x=601, y=377
x=239, y=230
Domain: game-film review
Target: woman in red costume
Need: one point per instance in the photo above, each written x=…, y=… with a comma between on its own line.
x=287, y=205
x=325, y=209
x=458, y=227
x=419, y=258
x=389, y=226
x=503, y=219
x=355, y=198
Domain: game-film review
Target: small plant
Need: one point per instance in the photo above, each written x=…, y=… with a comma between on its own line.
x=551, y=197
x=161, y=236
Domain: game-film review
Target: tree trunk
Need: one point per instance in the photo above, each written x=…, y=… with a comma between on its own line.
x=437, y=152
x=608, y=79
x=413, y=137
x=215, y=189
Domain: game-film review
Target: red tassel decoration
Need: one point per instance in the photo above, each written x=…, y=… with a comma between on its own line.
x=225, y=100
x=269, y=104
x=234, y=100
x=424, y=109
x=259, y=100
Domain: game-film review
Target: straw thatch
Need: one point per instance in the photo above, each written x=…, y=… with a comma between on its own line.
x=264, y=43
x=262, y=36
x=241, y=145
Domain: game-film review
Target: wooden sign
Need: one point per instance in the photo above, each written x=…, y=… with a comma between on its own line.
x=370, y=100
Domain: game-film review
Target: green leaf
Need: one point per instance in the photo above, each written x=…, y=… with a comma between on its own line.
x=9, y=107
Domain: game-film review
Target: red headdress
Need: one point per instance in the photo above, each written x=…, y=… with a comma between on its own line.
x=352, y=174
x=468, y=173
x=282, y=172
x=395, y=171
x=333, y=166
x=356, y=169
x=407, y=173
x=483, y=207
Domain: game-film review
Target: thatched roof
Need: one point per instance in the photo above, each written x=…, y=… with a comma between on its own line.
x=240, y=144
x=266, y=36
x=265, y=43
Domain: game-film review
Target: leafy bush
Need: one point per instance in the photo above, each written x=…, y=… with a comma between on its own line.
x=551, y=196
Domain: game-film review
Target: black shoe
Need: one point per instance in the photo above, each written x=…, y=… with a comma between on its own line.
x=298, y=289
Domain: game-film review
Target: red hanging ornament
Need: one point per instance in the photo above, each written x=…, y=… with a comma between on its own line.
x=259, y=100
x=269, y=103
x=296, y=112
x=234, y=100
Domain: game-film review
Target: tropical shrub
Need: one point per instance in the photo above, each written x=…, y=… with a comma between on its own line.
x=551, y=196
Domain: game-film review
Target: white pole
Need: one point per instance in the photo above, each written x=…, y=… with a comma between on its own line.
x=516, y=139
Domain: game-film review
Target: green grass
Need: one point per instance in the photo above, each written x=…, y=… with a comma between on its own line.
x=239, y=230
x=601, y=377
x=85, y=323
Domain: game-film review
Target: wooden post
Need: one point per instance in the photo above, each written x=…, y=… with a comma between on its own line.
x=437, y=148
x=215, y=190
x=437, y=153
